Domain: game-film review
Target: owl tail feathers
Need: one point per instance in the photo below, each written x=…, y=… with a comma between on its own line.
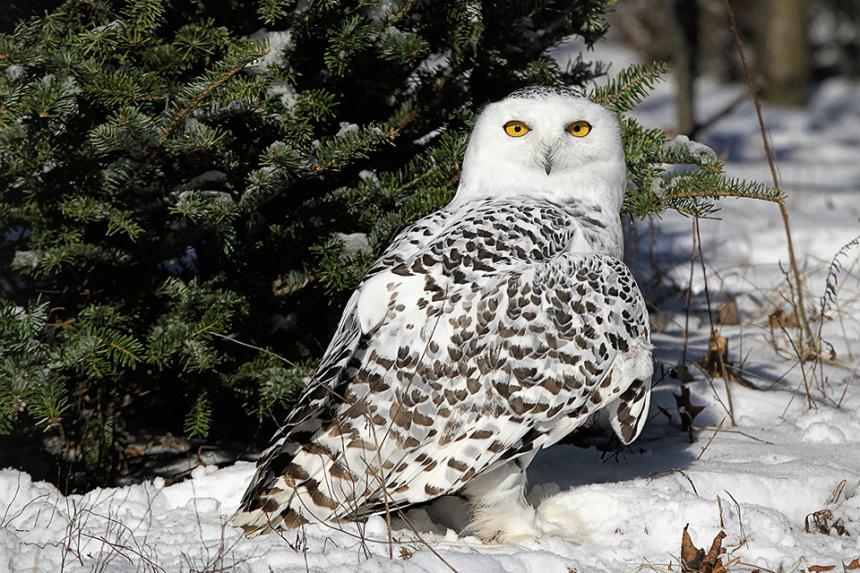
x=256, y=521
x=289, y=493
x=628, y=413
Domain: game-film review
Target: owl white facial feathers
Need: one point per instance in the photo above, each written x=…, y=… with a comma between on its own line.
x=548, y=160
x=486, y=331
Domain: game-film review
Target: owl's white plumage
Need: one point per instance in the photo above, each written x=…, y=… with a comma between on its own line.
x=589, y=169
x=486, y=331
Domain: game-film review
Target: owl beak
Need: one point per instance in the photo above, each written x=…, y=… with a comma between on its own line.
x=546, y=161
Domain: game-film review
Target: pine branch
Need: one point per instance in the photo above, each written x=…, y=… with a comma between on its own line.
x=691, y=189
x=179, y=116
x=90, y=209
x=271, y=12
x=632, y=85
x=198, y=420
x=345, y=42
x=706, y=185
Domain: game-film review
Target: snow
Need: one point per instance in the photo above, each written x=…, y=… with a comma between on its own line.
x=698, y=150
x=277, y=41
x=347, y=127
x=786, y=463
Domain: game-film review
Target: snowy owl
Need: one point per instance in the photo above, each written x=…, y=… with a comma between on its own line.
x=487, y=330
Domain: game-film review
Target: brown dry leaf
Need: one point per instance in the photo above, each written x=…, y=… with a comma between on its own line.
x=695, y=560
x=718, y=355
x=778, y=319
x=714, y=553
x=717, y=363
x=405, y=553
x=851, y=566
x=686, y=409
x=689, y=552
x=821, y=519
x=729, y=313
x=818, y=568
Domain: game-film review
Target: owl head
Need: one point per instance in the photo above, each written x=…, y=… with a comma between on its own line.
x=545, y=143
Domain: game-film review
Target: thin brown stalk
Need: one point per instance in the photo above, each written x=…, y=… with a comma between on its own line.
x=720, y=509
x=738, y=432
x=743, y=540
x=252, y=347
x=723, y=370
x=689, y=297
x=806, y=341
x=676, y=471
x=714, y=435
x=385, y=495
x=805, y=380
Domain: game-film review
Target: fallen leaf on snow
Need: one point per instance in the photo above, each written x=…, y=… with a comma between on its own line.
x=824, y=523
x=695, y=560
x=717, y=363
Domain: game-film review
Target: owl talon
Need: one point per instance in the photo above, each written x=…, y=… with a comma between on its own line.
x=554, y=521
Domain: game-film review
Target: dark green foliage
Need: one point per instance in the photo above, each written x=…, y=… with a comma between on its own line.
x=28, y=371
x=178, y=183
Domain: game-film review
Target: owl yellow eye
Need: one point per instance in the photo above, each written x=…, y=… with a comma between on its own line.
x=579, y=128
x=516, y=128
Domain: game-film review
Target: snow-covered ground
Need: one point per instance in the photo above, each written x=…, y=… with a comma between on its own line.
x=787, y=463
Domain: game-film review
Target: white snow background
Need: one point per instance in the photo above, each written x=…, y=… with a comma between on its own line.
x=759, y=482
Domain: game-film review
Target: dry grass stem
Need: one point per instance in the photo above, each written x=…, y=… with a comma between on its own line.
x=806, y=338
x=714, y=334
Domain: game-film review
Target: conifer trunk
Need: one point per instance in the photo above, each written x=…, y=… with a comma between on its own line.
x=782, y=42
x=685, y=17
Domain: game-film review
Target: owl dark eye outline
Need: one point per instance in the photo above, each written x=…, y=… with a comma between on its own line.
x=516, y=128
x=579, y=128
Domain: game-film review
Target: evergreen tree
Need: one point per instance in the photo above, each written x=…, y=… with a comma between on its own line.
x=191, y=189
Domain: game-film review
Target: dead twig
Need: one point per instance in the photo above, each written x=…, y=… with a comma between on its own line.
x=714, y=334
x=711, y=439
x=689, y=298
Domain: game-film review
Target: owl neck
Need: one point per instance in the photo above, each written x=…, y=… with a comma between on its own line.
x=599, y=194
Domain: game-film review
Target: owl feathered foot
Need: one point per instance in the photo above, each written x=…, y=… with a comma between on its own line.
x=501, y=513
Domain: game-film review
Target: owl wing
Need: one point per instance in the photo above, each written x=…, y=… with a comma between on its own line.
x=362, y=313
x=529, y=358
x=359, y=317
